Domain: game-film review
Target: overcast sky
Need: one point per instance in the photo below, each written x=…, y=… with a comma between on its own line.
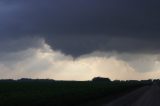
x=58, y=38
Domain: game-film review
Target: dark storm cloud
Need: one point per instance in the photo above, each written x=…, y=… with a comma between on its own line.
x=81, y=26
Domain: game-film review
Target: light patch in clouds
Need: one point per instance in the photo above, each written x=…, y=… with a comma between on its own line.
x=43, y=62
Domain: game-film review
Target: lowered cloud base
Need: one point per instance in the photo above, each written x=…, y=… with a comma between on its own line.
x=41, y=61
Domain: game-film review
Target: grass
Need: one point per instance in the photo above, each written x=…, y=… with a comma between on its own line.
x=58, y=93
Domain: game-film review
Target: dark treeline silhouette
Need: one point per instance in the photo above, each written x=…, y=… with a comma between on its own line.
x=107, y=80
x=48, y=92
x=95, y=79
x=101, y=79
x=27, y=80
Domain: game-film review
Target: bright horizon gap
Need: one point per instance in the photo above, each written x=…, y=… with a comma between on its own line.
x=41, y=61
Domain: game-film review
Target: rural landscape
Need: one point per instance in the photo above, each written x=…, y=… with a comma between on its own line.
x=45, y=92
x=79, y=52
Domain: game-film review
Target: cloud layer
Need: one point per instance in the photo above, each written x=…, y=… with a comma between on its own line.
x=80, y=27
x=79, y=39
x=41, y=61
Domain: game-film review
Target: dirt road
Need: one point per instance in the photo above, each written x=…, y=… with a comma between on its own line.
x=146, y=96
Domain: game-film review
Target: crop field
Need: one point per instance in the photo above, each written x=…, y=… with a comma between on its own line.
x=59, y=93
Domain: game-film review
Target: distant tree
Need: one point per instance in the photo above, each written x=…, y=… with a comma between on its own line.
x=6, y=80
x=101, y=79
x=156, y=81
x=24, y=80
x=35, y=80
x=117, y=81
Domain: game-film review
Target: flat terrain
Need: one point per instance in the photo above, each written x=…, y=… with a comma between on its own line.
x=145, y=96
x=27, y=92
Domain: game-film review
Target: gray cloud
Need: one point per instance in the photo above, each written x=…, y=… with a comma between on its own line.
x=43, y=62
x=8, y=45
x=69, y=39
x=79, y=27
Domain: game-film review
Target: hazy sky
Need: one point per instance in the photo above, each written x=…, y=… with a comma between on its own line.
x=80, y=39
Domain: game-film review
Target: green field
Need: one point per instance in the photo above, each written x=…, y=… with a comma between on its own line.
x=59, y=93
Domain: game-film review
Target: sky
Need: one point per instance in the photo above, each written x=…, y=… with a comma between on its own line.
x=79, y=39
